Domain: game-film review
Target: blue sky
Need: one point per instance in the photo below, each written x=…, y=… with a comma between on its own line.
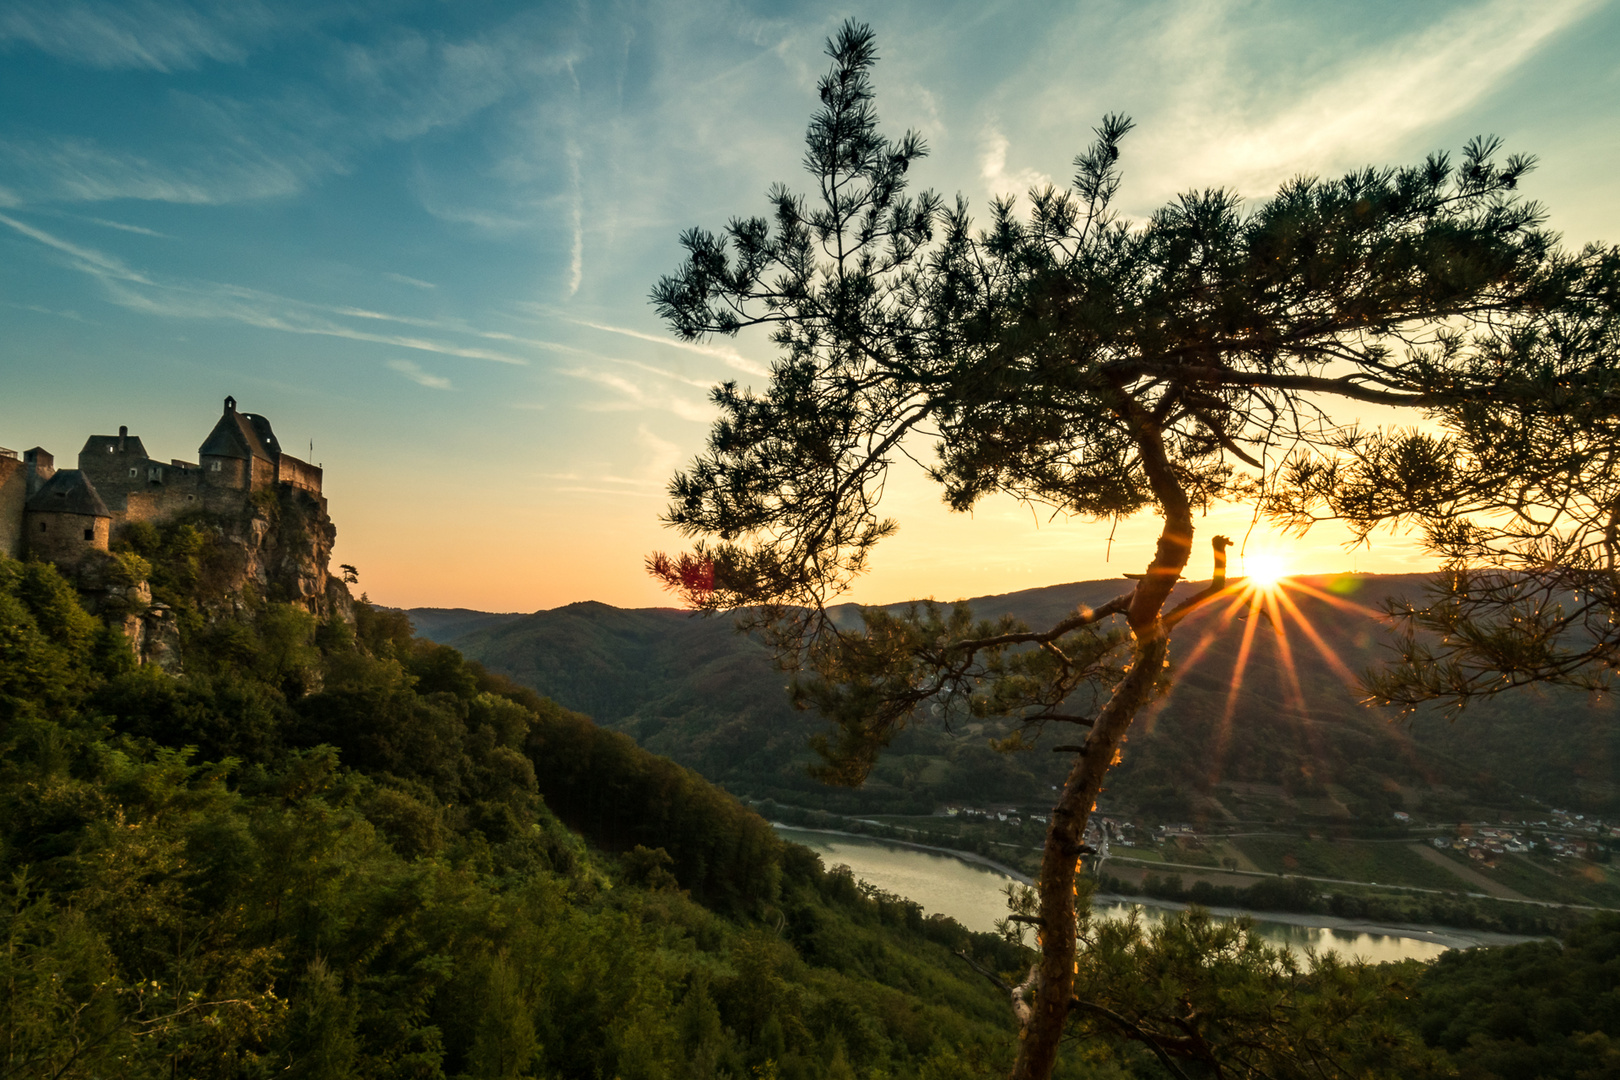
x=421, y=235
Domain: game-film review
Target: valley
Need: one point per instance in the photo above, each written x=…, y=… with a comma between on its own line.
x=1243, y=772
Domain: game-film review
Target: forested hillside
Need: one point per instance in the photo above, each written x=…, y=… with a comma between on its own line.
x=332, y=850
x=448, y=624
x=1293, y=741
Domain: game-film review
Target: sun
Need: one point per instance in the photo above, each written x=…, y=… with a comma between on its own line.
x=1264, y=569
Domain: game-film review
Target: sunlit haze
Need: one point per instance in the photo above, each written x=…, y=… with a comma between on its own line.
x=420, y=238
x=1265, y=568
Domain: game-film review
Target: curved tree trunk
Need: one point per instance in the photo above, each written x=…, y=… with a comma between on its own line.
x=1053, y=982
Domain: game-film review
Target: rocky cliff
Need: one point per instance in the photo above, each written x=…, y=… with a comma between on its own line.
x=276, y=550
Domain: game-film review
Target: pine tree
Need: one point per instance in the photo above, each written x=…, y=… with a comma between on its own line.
x=1068, y=358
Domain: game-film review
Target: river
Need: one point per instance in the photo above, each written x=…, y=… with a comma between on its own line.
x=971, y=894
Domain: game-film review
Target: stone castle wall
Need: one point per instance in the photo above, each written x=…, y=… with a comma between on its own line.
x=65, y=538
x=114, y=471
x=122, y=482
x=225, y=472
x=300, y=474
x=144, y=489
x=13, y=493
x=159, y=504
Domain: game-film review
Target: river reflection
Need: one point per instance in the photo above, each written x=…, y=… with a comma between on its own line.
x=972, y=896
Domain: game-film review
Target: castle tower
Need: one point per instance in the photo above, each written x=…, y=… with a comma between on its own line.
x=114, y=460
x=240, y=452
x=116, y=465
x=66, y=518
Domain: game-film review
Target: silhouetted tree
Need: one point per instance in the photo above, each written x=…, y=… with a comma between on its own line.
x=1104, y=368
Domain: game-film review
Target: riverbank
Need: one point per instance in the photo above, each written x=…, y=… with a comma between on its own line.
x=966, y=856
x=1450, y=937
x=1447, y=937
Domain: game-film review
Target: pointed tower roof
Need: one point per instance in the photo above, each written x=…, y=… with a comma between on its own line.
x=68, y=492
x=240, y=435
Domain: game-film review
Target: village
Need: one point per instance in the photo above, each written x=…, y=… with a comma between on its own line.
x=1562, y=835
x=1554, y=855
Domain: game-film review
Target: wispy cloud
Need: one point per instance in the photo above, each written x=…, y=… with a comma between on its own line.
x=598, y=479
x=271, y=312
x=213, y=300
x=86, y=259
x=461, y=326
x=140, y=34
x=477, y=215
x=635, y=396
x=1343, y=114
x=660, y=457
x=122, y=227
x=576, y=256
x=412, y=82
x=40, y=310
x=993, y=168
x=617, y=493
x=729, y=355
x=414, y=372
x=235, y=169
x=403, y=280
x=396, y=84
x=662, y=373
x=615, y=486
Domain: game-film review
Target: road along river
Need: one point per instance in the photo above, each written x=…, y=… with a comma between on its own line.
x=969, y=890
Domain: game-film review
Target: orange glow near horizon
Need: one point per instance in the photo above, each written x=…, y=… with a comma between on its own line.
x=544, y=552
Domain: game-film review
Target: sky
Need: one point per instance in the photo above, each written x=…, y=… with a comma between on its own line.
x=419, y=236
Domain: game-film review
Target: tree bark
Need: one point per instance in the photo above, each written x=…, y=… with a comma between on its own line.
x=1065, y=834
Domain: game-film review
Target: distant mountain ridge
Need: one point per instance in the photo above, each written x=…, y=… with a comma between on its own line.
x=444, y=625
x=689, y=687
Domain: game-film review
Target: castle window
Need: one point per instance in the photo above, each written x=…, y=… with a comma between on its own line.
x=89, y=534
x=42, y=526
x=213, y=466
x=133, y=473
